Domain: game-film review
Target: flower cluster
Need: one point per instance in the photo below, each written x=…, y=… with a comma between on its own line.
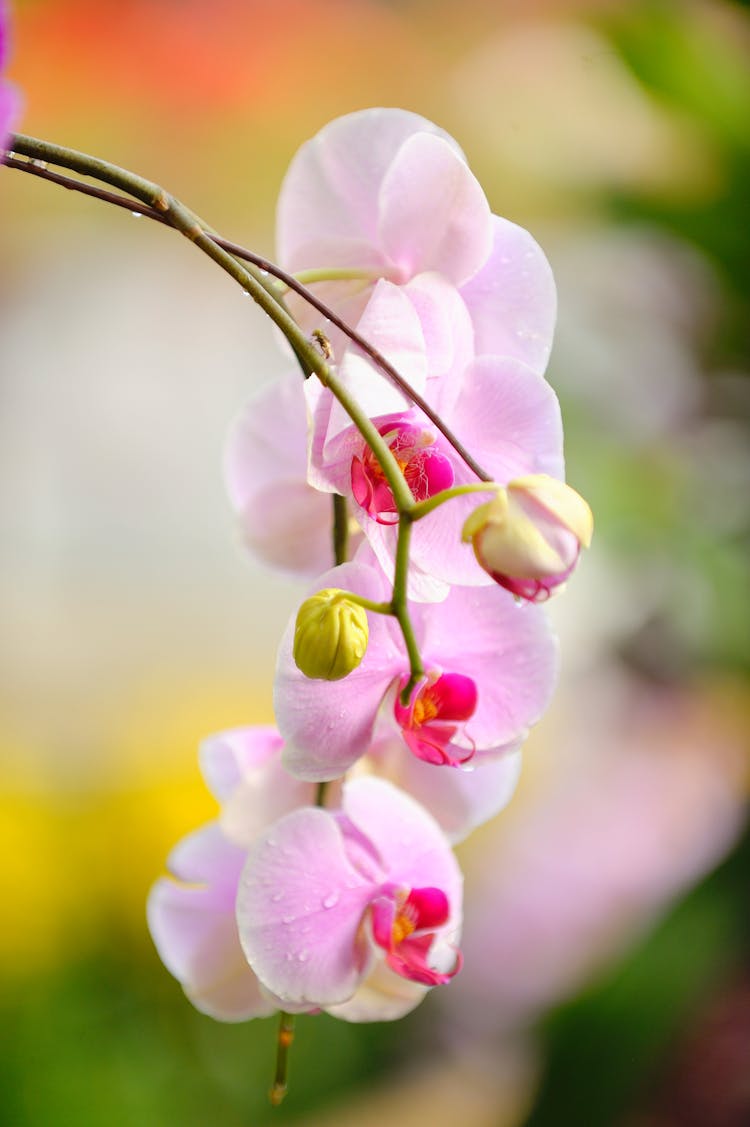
x=407, y=681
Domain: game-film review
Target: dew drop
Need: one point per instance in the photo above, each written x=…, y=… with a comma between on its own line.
x=276, y=897
x=331, y=900
x=302, y=956
x=136, y=215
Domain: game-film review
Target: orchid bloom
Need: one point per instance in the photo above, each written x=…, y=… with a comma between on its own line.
x=384, y=193
x=490, y=668
x=355, y=910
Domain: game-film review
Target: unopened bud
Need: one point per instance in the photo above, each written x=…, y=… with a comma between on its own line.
x=330, y=637
x=529, y=537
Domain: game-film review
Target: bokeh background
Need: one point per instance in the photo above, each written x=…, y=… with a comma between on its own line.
x=607, y=977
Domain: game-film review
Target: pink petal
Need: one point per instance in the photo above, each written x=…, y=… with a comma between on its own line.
x=225, y=757
x=195, y=931
x=509, y=652
x=328, y=206
x=284, y=521
x=512, y=300
x=458, y=800
x=413, y=849
x=383, y=996
x=433, y=212
x=509, y=418
x=300, y=906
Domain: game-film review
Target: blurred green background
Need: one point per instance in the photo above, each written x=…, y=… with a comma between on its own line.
x=607, y=977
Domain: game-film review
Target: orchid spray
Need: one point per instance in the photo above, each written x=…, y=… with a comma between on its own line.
x=410, y=466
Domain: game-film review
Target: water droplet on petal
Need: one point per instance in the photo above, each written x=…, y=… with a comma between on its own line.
x=331, y=900
x=302, y=956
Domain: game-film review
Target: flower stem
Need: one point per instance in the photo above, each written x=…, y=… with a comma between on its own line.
x=340, y=529
x=169, y=210
x=400, y=607
x=422, y=508
x=283, y=1044
x=289, y=281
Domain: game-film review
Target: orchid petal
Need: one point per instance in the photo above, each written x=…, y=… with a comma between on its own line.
x=512, y=299
x=433, y=212
x=300, y=906
x=195, y=931
x=328, y=206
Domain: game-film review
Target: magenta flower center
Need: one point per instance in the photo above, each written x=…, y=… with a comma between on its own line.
x=426, y=469
x=435, y=716
x=403, y=923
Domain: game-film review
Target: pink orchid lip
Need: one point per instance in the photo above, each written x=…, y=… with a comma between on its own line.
x=426, y=469
x=401, y=923
x=435, y=715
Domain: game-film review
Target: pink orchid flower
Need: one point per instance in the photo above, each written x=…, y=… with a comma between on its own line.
x=191, y=913
x=490, y=669
x=384, y=193
x=355, y=910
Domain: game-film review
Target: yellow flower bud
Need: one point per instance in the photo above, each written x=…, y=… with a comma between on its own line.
x=330, y=637
x=529, y=536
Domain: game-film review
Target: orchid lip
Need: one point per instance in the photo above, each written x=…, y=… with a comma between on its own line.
x=434, y=718
x=426, y=469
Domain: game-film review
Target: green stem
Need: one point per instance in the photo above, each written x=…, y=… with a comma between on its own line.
x=278, y=287
x=400, y=606
x=368, y=604
x=334, y=274
x=283, y=1044
x=422, y=508
x=340, y=529
x=262, y=290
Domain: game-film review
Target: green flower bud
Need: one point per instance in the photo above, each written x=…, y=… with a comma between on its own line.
x=330, y=637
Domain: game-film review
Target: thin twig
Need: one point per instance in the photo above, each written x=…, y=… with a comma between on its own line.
x=265, y=265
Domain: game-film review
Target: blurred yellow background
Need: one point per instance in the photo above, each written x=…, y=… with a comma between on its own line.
x=132, y=625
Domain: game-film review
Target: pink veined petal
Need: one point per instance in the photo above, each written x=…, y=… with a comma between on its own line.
x=195, y=931
x=299, y=908
x=448, y=334
x=509, y=417
x=509, y=652
x=458, y=800
x=413, y=849
x=226, y=756
x=328, y=204
x=390, y=321
x=512, y=299
x=327, y=725
x=433, y=212
x=284, y=521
